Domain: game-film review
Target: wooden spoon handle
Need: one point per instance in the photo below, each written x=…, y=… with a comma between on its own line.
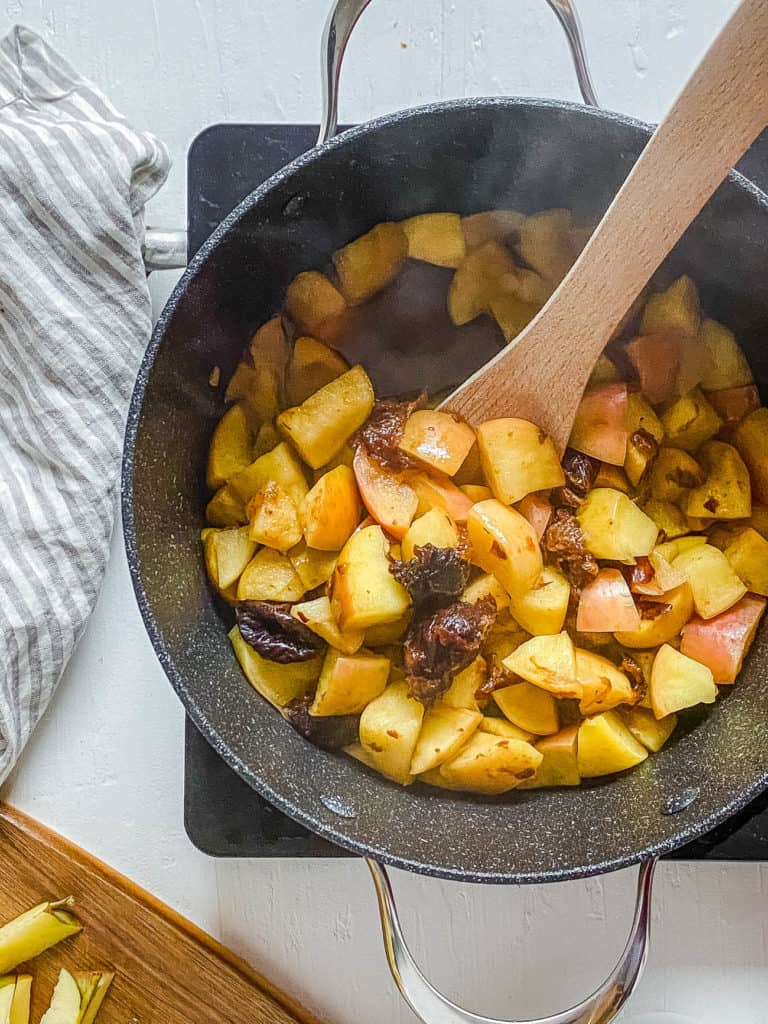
x=719, y=113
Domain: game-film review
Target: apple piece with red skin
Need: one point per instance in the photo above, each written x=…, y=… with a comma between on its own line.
x=606, y=605
x=440, y=492
x=391, y=502
x=537, y=509
x=721, y=643
x=733, y=404
x=668, y=364
x=600, y=428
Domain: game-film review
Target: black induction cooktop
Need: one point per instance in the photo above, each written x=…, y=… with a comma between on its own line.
x=224, y=817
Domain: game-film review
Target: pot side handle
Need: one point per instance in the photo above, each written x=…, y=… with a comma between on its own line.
x=345, y=14
x=433, y=1007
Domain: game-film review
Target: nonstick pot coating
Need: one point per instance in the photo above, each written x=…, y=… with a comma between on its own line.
x=465, y=156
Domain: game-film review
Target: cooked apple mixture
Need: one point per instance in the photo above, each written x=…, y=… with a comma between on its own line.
x=454, y=603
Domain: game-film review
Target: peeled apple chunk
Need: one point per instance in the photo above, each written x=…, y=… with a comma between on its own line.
x=331, y=510
x=714, y=584
x=279, y=684
x=389, y=731
x=517, y=458
x=726, y=493
x=491, y=764
x=606, y=746
x=690, y=421
x=748, y=556
x=369, y=262
x=664, y=627
x=528, y=707
x=614, y=527
x=348, y=682
x=548, y=662
x=434, y=527
x=321, y=425
x=435, y=238
x=230, y=449
x=542, y=609
x=603, y=685
x=314, y=305
x=600, y=428
x=504, y=544
x=721, y=643
x=34, y=931
x=444, y=730
x=312, y=365
x=318, y=616
x=364, y=592
x=751, y=439
x=678, y=682
x=727, y=366
x=437, y=439
x=652, y=732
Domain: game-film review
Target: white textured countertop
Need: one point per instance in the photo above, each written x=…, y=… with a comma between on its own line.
x=105, y=766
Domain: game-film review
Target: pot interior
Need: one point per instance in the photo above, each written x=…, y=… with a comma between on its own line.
x=466, y=157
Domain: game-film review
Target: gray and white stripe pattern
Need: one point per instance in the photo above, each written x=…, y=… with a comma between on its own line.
x=75, y=318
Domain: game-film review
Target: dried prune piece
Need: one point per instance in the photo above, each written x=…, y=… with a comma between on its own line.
x=331, y=732
x=444, y=643
x=650, y=608
x=271, y=630
x=496, y=678
x=634, y=673
x=642, y=572
x=563, y=541
x=434, y=577
x=380, y=434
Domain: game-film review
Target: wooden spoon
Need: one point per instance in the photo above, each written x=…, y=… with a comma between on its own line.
x=542, y=373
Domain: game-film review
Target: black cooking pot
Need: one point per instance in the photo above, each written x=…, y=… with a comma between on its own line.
x=462, y=155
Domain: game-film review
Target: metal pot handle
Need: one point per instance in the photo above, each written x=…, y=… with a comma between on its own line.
x=433, y=1007
x=344, y=16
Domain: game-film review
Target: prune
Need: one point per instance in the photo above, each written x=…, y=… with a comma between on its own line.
x=271, y=630
x=434, y=577
x=330, y=732
x=444, y=643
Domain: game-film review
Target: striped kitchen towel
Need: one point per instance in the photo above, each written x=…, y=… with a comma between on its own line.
x=75, y=318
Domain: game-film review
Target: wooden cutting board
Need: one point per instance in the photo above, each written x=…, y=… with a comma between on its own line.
x=167, y=970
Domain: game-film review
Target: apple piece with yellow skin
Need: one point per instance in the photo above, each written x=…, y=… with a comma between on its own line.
x=232, y=550
x=614, y=527
x=542, y=609
x=537, y=509
x=504, y=544
x=714, y=584
x=65, y=1004
x=604, y=686
x=440, y=492
x=726, y=492
x=601, y=426
x=678, y=682
x=517, y=458
x=677, y=309
x=664, y=627
x=528, y=707
x=273, y=517
x=733, y=404
x=318, y=616
x=434, y=527
x=389, y=731
x=647, y=729
x=491, y=764
x=751, y=439
x=388, y=498
x=315, y=306
x=690, y=421
x=721, y=643
x=331, y=510
x=269, y=576
x=369, y=262
x=279, y=466
x=312, y=365
x=364, y=592
x=348, y=682
x=673, y=474
x=435, y=238
x=606, y=605
x=231, y=446
x=560, y=761
x=320, y=427
x=225, y=509
x=21, y=1000
x=606, y=746
x=504, y=728
x=548, y=662
x=279, y=684
x=444, y=731
x=462, y=693
x=437, y=439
